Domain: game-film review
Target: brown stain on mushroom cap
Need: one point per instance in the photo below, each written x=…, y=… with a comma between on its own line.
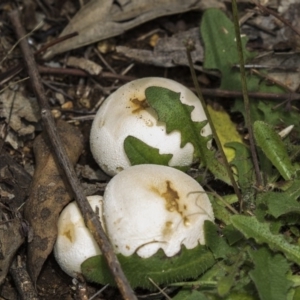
x=137, y=105
x=67, y=232
x=172, y=204
x=168, y=229
x=172, y=198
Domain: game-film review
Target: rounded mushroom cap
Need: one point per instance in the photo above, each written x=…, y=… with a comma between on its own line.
x=125, y=113
x=147, y=207
x=74, y=242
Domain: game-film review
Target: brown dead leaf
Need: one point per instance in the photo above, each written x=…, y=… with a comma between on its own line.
x=11, y=238
x=16, y=108
x=14, y=182
x=99, y=19
x=49, y=194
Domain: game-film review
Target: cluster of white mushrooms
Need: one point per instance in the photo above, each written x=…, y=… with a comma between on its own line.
x=145, y=207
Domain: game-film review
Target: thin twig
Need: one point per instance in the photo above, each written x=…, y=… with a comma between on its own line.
x=104, y=61
x=245, y=95
x=253, y=95
x=206, y=92
x=99, y=292
x=90, y=218
x=22, y=280
x=210, y=122
x=78, y=72
x=216, y=195
x=56, y=41
x=161, y=290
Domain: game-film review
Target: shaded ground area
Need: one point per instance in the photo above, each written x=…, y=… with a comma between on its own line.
x=74, y=96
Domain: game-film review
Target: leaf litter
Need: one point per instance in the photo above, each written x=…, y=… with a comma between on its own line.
x=266, y=255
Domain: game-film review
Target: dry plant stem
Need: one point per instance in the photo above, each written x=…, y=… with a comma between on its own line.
x=90, y=218
x=22, y=280
x=78, y=72
x=213, y=129
x=158, y=287
x=231, y=208
x=253, y=95
x=206, y=92
x=279, y=17
x=245, y=95
x=56, y=41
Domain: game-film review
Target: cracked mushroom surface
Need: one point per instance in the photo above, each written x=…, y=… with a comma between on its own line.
x=126, y=112
x=148, y=207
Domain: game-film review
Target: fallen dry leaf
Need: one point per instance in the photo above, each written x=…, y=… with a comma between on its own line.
x=99, y=19
x=11, y=238
x=14, y=183
x=49, y=194
x=18, y=107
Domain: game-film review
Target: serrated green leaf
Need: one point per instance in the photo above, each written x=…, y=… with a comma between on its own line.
x=269, y=274
x=177, y=117
x=215, y=243
x=139, y=153
x=281, y=203
x=161, y=269
x=186, y=294
x=252, y=228
x=273, y=147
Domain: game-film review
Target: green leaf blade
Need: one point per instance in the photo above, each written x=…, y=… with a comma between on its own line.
x=242, y=161
x=215, y=243
x=269, y=274
x=260, y=232
x=139, y=153
x=221, y=53
x=177, y=117
x=161, y=269
x=273, y=147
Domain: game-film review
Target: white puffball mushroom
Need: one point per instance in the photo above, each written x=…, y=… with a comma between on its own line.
x=74, y=242
x=148, y=207
x=125, y=112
